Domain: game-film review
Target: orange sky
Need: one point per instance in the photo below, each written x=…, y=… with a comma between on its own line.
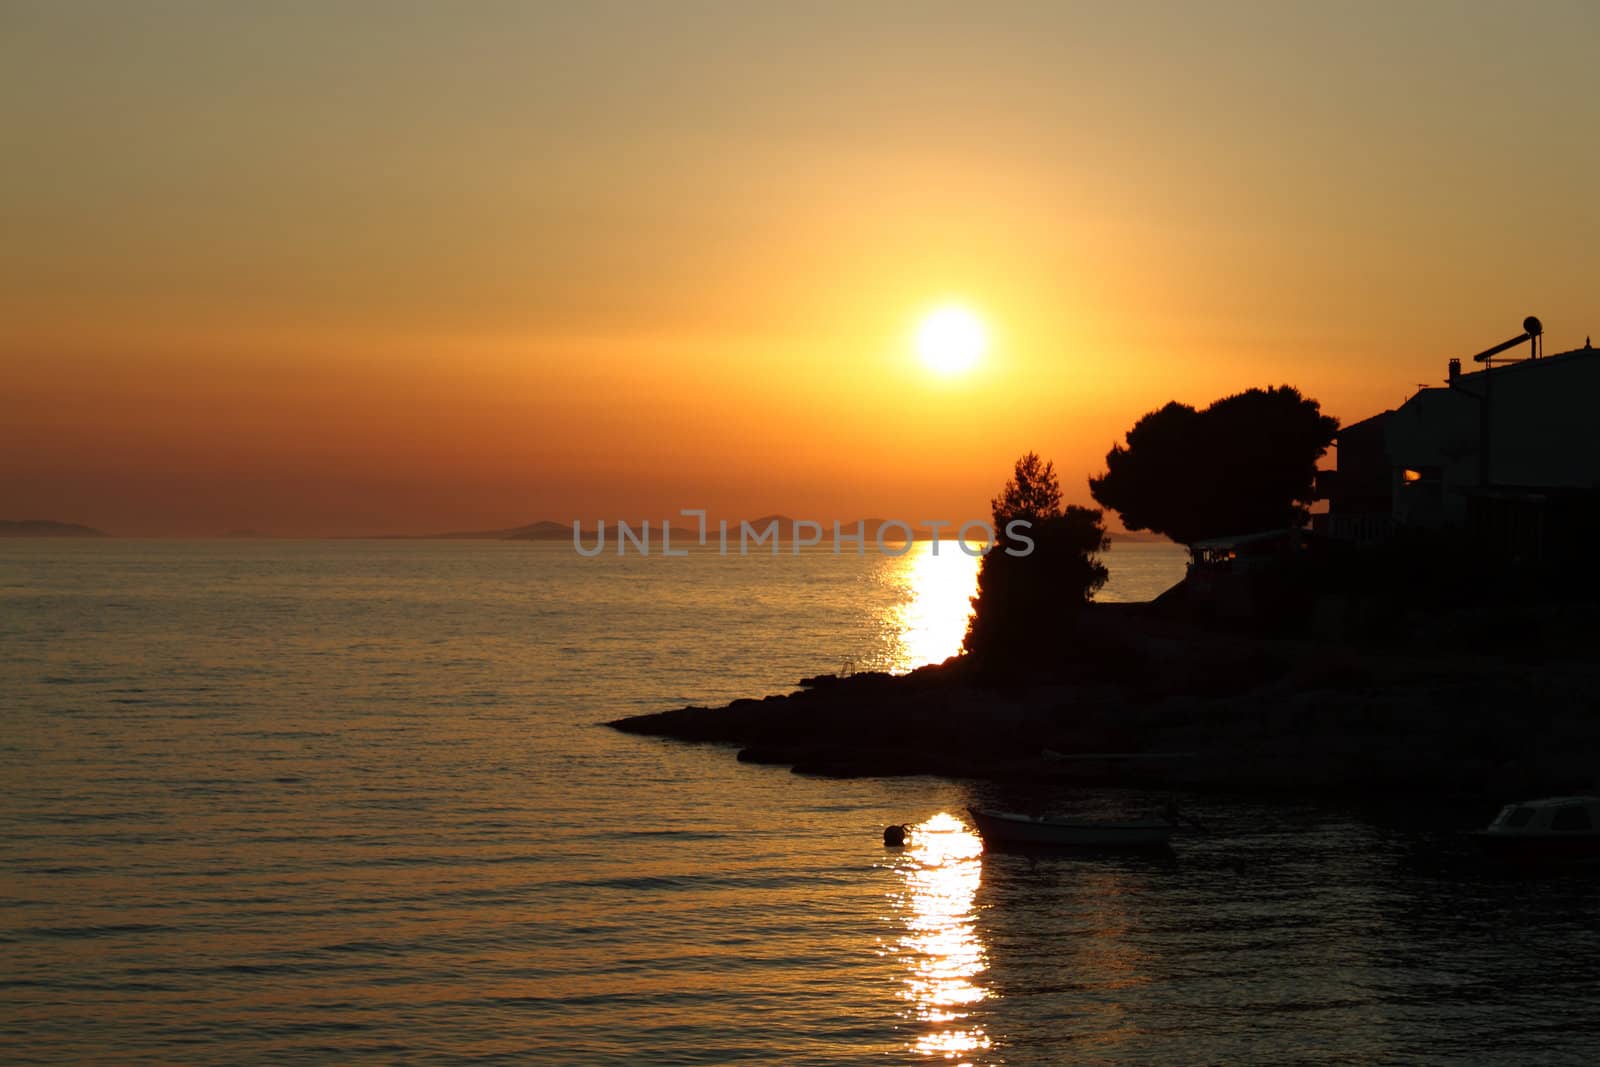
x=331, y=269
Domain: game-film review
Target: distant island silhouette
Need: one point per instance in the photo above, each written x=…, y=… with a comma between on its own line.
x=46, y=528
x=786, y=524
x=550, y=530
x=1142, y=537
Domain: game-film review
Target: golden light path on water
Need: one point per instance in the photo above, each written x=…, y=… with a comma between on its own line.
x=932, y=618
x=940, y=869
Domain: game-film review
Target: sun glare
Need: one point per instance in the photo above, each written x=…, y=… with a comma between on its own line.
x=951, y=339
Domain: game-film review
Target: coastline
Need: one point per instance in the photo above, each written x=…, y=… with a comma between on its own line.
x=1146, y=700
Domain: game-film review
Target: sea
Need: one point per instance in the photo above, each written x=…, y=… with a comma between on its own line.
x=279, y=801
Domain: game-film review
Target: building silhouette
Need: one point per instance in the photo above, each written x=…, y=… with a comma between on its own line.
x=1508, y=454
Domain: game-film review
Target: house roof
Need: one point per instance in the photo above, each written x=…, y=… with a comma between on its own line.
x=1364, y=424
x=1473, y=377
x=1523, y=366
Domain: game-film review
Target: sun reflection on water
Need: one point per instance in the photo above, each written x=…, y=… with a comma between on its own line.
x=932, y=619
x=941, y=867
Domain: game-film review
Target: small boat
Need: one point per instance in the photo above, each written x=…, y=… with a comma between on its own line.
x=1009, y=828
x=1551, y=830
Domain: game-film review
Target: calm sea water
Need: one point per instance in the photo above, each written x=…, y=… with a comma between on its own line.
x=348, y=801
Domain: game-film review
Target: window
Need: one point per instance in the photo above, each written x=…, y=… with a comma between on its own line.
x=1515, y=818
x=1430, y=475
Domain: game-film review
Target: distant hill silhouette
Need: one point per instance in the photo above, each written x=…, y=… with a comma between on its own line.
x=46, y=528
x=548, y=530
x=1144, y=537
x=533, y=531
x=560, y=531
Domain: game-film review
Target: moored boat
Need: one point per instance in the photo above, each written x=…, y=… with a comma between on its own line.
x=1549, y=830
x=1004, y=827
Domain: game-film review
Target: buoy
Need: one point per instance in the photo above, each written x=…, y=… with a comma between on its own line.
x=895, y=836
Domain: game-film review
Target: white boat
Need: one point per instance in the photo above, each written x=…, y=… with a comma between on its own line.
x=1552, y=829
x=1005, y=827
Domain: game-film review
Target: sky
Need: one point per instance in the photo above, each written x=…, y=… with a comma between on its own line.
x=342, y=268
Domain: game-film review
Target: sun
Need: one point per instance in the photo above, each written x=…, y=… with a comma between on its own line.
x=950, y=339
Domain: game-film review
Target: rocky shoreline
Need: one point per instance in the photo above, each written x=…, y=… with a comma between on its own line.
x=1148, y=701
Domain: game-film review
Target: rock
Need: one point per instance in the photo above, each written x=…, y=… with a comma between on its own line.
x=1262, y=715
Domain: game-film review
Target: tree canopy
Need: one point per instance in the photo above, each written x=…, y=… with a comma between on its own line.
x=1246, y=463
x=1032, y=492
x=1029, y=586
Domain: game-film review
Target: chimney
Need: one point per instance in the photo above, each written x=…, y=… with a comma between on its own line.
x=1455, y=370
